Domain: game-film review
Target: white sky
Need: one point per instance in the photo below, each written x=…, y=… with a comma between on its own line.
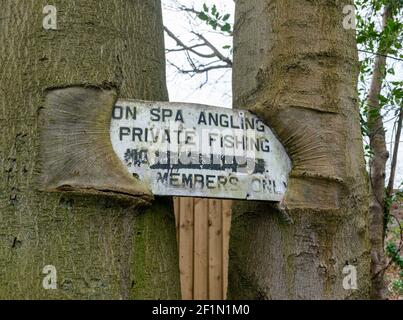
x=217, y=91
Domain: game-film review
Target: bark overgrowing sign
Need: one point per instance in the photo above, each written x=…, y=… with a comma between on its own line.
x=182, y=149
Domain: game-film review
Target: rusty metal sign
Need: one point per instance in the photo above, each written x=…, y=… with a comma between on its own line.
x=181, y=149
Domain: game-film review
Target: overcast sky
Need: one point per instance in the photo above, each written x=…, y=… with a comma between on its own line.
x=217, y=91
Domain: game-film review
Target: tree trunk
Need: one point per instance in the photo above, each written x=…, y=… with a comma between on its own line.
x=297, y=67
x=100, y=247
x=377, y=142
x=393, y=164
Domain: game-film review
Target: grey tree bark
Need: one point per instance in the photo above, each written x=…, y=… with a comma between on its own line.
x=297, y=67
x=102, y=248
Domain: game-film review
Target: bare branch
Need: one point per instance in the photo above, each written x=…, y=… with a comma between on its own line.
x=182, y=48
x=199, y=69
x=185, y=47
x=206, y=43
x=380, y=54
x=217, y=53
x=201, y=55
x=207, y=69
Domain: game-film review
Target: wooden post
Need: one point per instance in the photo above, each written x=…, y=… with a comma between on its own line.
x=201, y=217
x=203, y=227
x=186, y=247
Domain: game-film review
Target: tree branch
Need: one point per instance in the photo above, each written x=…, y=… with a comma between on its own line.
x=380, y=54
x=217, y=53
x=196, y=66
x=395, y=153
x=185, y=47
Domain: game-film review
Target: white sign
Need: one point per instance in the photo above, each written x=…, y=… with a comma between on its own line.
x=181, y=149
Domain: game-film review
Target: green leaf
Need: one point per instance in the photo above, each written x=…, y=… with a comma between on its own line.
x=382, y=99
x=226, y=17
x=205, y=8
x=213, y=23
x=214, y=10
x=203, y=16
x=391, y=71
x=226, y=28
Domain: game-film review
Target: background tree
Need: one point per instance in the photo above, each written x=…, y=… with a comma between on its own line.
x=102, y=248
x=380, y=100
